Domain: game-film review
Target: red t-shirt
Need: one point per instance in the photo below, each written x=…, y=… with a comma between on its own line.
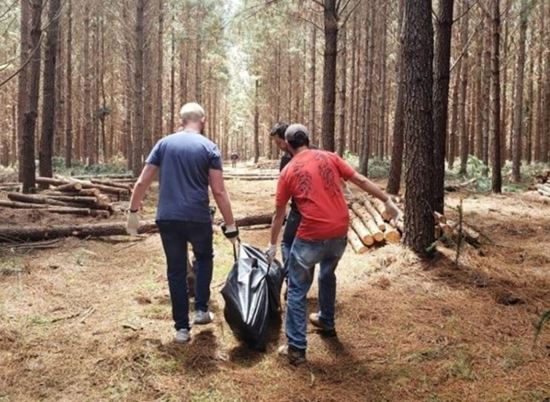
x=313, y=179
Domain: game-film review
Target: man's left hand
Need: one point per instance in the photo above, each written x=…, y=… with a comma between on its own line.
x=231, y=232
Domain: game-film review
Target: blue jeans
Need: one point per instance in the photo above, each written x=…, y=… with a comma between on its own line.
x=304, y=255
x=175, y=235
x=291, y=227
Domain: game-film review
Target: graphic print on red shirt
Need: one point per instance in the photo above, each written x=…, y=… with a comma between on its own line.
x=313, y=179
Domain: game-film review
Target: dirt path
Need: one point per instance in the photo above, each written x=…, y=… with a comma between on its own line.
x=91, y=321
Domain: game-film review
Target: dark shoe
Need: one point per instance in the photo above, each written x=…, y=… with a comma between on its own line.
x=294, y=355
x=321, y=326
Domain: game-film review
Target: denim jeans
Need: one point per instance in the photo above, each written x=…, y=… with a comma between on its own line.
x=304, y=255
x=291, y=227
x=175, y=235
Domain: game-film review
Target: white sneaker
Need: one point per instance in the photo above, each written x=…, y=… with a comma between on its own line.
x=182, y=336
x=203, y=317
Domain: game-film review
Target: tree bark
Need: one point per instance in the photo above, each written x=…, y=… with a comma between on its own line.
x=31, y=112
x=256, y=124
x=69, y=95
x=329, y=74
x=48, y=91
x=442, y=56
x=138, y=132
x=394, y=181
x=22, y=82
x=495, y=90
x=418, y=124
x=313, y=72
x=464, y=140
x=520, y=68
x=342, y=96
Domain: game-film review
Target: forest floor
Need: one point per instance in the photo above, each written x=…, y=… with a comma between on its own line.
x=90, y=320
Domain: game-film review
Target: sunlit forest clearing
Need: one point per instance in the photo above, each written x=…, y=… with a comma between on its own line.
x=444, y=104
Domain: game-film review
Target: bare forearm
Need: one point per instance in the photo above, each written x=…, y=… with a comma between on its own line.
x=138, y=194
x=370, y=187
x=224, y=205
x=276, y=225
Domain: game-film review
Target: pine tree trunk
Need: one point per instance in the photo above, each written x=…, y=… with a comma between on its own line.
x=418, y=124
x=48, y=92
x=157, y=131
x=442, y=56
x=256, y=124
x=518, y=120
x=22, y=83
x=69, y=97
x=31, y=113
x=383, y=91
x=394, y=181
x=342, y=96
x=329, y=74
x=313, y=85
x=464, y=146
x=138, y=126
x=495, y=91
x=172, y=83
x=369, y=70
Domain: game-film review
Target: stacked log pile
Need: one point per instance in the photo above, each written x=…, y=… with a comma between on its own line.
x=91, y=197
x=370, y=226
x=543, y=189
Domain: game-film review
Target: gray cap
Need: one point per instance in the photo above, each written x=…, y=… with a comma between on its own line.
x=296, y=132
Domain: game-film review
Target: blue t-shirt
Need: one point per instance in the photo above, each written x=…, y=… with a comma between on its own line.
x=184, y=160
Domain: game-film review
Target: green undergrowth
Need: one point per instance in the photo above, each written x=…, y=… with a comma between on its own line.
x=116, y=166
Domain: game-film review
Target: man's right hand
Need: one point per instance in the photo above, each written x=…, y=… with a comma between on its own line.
x=271, y=252
x=392, y=210
x=231, y=232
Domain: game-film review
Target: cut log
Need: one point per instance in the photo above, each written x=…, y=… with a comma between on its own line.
x=35, y=199
x=356, y=243
x=112, y=184
x=54, y=209
x=368, y=221
x=543, y=189
x=400, y=226
x=34, y=233
x=70, y=187
x=533, y=196
x=109, y=176
x=361, y=230
x=60, y=200
x=392, y=235
x=437, y=231
x=89, y=192
x=446, y=229
x=379, y=205
x=119, y=192
x=252, y=220
x=375, y=214
x=21, y=205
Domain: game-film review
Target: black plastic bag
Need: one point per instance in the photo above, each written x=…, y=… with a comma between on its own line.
x=252, y=295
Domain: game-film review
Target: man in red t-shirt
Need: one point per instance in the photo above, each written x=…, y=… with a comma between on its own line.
x=314, y=179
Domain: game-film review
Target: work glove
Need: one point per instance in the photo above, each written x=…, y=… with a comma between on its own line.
x=270, y=253
x=231, y=232
x=392, y=210
x=132, y=223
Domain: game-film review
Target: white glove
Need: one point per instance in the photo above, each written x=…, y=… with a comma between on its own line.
x=271, y=252
x=392, y=210
x=132, y=223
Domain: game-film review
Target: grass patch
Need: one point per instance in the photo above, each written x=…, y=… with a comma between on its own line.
x=426, y=355
x=461, y=368
x=116, y=166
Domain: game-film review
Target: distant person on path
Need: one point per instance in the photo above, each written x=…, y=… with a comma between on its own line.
x=188, y=163
x=234, y=159
x=313, y=179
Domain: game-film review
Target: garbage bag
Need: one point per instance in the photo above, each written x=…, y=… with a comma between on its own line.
x=252, y=295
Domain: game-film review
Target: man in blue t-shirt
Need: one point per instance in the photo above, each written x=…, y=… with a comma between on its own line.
x=187, y=163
